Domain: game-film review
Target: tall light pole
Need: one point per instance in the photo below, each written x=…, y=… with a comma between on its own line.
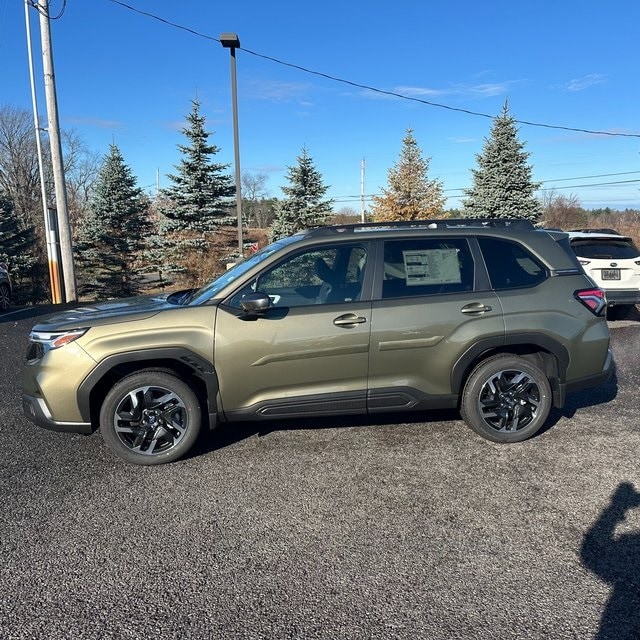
x=232, y=42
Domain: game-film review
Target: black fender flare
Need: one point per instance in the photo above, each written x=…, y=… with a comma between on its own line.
x=515, y=343
x=186, y=359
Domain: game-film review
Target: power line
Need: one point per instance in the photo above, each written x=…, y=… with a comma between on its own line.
x=164, y=21
x=45, y=13
x=601, y=175
x=435, y=104
x=593, y=184
x=369, y=197
x=358, y=85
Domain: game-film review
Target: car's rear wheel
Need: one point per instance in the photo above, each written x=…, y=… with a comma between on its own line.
x=506, y=399
x=150, y=417
x=5, y=297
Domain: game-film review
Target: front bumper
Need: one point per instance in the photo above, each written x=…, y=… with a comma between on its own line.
x=36, y=410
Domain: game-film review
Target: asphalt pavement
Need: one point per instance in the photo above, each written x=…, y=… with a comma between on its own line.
x=407, y=527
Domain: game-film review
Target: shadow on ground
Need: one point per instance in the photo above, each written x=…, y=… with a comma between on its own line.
x=631, y=313
x=228, y=434
x=615, y=559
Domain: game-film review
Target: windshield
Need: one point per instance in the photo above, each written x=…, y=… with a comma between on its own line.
x=211, y=290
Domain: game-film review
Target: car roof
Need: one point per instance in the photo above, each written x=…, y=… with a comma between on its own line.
x=601, y=230
x=587, y=235
x=449, y=224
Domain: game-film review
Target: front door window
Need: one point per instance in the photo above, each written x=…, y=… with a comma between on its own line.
x=320, y=275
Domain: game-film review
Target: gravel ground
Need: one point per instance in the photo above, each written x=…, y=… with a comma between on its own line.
x=346, y=529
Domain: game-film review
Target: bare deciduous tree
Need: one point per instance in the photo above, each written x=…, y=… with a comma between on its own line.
x=253, y=192
x=562, y=211
x=81, y=167
x=19, y=174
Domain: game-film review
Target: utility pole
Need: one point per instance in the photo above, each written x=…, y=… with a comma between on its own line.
x=49, y=229
x=362, y=216
x=64, y=228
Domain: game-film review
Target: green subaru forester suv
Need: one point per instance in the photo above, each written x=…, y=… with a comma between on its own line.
x=495, y=318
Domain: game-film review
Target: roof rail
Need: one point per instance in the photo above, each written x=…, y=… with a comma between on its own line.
x=446, y=223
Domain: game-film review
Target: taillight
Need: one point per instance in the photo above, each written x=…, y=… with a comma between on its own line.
x=593, y=299
x=584, y=263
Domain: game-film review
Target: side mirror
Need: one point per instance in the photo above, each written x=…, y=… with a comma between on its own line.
x=255, y=303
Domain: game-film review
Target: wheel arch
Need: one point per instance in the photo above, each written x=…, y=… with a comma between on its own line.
x=548, y=354
x=191, y=368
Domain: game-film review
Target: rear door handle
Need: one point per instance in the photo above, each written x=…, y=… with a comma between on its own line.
x=349, y=320
x=475, y=308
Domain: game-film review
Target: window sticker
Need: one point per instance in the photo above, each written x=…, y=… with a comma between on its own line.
x=431, y=266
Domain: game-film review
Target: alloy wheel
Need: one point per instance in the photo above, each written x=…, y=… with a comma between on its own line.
x=509, y=400
x=150, y=420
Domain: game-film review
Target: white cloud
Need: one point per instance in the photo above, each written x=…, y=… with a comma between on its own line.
x=463, y=140
x=279, y=91
x=483, y=90
x=100, y=123
x=580, y=84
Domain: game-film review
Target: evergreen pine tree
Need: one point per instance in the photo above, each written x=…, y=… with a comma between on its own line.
x=113, y=233
x=17, y=249
x=198, y=201
x=502, y=183
x=303, y=206
x=411, y=195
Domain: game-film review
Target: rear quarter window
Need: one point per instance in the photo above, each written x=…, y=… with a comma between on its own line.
x=510, y=265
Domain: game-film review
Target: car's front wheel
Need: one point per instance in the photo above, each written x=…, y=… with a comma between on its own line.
x=506, y=399
x=150, y=417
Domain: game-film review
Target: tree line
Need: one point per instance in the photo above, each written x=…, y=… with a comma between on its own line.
x=126, y=241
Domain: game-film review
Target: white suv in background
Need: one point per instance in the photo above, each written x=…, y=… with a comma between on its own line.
x=613, y=262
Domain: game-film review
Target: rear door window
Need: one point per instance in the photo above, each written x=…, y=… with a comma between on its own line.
x=426, y=266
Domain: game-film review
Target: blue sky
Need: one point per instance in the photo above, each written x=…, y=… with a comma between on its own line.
x=125, y=77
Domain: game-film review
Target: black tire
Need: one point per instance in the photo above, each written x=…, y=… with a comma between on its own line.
x=506, y=399
x=150, y=417
x=5, y=297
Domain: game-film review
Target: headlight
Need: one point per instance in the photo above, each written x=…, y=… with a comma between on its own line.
x=56, y=339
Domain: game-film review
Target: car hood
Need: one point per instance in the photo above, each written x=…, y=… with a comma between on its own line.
x=123, y=310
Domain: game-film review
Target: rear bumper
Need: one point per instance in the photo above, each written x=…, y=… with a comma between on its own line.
x=36, y=410
x=595, y=380
x=622, y=296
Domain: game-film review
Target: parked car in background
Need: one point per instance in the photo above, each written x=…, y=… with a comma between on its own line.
x=5, y=288
x=489, y=316
x=613, y=262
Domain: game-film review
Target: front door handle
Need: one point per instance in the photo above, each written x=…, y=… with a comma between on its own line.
x=475, y=308
x=349, y=320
